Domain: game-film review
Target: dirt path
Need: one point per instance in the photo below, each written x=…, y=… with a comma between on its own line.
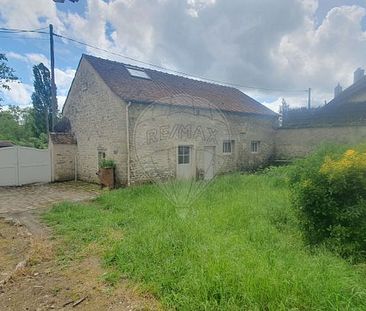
x=14, y=244
x=46, y=284
x=36, y=278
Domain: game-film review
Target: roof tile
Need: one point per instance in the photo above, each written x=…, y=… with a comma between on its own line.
x=164, y=85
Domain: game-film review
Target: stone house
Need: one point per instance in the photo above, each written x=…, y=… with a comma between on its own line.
x=155, y=124
x=341, y=121
x=348, y=107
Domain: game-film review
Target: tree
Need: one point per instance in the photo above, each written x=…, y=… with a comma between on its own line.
x=9, y=127
x=284, y=108
x=41, y=99
x=7, y=74
x=63, y=126
x=18, y=126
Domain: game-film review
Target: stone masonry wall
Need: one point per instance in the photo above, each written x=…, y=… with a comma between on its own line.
x=292, y=143
x=98, y=121
x=63, y=162
x=242, y=128
x=248, y=128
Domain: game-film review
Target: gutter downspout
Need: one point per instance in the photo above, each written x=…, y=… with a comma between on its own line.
x=128, y=144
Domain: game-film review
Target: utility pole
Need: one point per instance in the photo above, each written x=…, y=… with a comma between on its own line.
x=309, y=98
x=53, y=84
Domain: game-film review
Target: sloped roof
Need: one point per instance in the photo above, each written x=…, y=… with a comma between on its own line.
x=341, y=110
x=163, y=85
x=345, y=96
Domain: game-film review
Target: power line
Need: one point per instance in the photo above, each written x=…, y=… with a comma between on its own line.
x=22, y=30
x=176, y=71
x=22, y=38
x=17, y=31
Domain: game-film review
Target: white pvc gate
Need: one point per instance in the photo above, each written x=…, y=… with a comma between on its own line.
x=23, y=165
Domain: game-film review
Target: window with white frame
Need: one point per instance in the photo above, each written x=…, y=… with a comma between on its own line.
x=183, y=154
x=255, y=145
x=137, y=72
x=228, y=146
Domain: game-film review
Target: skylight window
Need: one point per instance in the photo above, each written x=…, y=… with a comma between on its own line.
x=137, y=73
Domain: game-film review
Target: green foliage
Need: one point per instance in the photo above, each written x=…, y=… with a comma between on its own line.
x=7, y=74
x=329, y=192
x=238, y=247
x=107, y=163
x=63, y=125
x=26, y=127
x=302, y=168
x=9, y=127
x=17, y=126
x=41, y=98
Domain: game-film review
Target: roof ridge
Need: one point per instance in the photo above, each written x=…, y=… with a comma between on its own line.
x=162, y=84
x=347, y=91
x=168, y=73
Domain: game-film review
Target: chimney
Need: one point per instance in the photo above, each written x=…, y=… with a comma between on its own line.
x=358, y=74
x=337, y=90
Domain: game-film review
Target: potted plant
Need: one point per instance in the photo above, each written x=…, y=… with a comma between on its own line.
x=106, y=173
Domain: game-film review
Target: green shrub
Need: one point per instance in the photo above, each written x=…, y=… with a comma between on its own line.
x=107, y=163
x=237, y=247
x=329, y=191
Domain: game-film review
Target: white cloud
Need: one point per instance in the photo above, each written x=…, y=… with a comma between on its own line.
x=31, y=58
x=274, y=105
x=269, y=43
x=19, y=94
x=16, y=56
x=60, y=102
x=29, y=14
x=64, y=78
x=92, y=28
x=195, y=6
x=326, y=55
x=36, y=58
x=63, y=81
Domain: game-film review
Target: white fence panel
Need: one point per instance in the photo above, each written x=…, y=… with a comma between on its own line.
x=8, y=166
x=34, y=165
x=23, y=165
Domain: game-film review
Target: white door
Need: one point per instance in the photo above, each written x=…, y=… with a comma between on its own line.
x=184, y=162
x=209, y=162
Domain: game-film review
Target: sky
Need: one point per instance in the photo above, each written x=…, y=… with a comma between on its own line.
x=273, y=49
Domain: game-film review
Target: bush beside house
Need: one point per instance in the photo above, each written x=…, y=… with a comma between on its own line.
x=329, y=192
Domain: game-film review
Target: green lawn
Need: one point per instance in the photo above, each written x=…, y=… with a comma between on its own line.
x=236, y=248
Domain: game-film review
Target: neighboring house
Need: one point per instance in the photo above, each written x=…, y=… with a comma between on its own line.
x=107, y=98
x=341, y=121
x=348, y=107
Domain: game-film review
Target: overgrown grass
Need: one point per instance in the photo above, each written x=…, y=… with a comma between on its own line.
x=237, y=248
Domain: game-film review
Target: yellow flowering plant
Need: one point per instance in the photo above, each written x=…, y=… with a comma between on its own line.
x=329, y=190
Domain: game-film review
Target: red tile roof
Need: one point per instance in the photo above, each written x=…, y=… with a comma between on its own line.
x=163, y=86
